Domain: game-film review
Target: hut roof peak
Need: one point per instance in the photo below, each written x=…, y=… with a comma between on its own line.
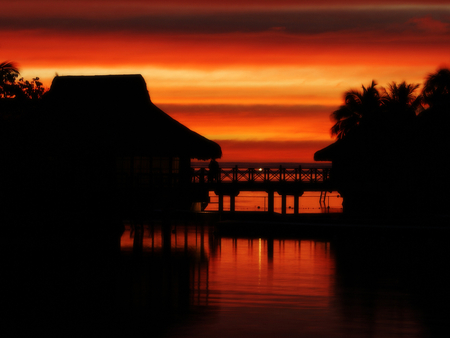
x=118, y=107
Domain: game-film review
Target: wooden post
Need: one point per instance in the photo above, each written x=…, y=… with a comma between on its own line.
x=296, y=204
x=232, y=203
x=270, y=203
x=220, y=202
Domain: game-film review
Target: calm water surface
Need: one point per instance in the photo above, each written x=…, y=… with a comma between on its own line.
x=296, y=287
x=310, y=202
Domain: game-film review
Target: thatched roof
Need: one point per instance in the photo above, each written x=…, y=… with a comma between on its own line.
x=115, y=112
x=328, y=153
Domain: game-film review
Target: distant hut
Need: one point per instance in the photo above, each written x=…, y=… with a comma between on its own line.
x=370, y=175
x=327, y=154
x=335, y=153
x=114, y=140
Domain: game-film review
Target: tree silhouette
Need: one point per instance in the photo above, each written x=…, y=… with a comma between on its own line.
x=33, y=89
x=359, y=108
x=401, y=102
x=22, y=89
x=433, y=143
x=391, y=154
x=436, y=90
x=8, y=75
x=374, y=129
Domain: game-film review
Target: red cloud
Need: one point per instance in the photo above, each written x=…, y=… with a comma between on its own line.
x=429, y=25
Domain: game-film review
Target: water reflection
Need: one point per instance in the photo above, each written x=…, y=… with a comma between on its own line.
x=271, y=273
x=240, y=287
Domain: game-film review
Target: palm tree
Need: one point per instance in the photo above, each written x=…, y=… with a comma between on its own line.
x=436, y=90
x=359, y=108
x=8, y=74
x=433, y=143
x=400, y=101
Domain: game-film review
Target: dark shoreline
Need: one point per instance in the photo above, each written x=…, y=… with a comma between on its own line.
x=320, y=225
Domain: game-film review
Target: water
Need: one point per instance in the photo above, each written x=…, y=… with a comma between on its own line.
x=373, y=286
x=310, y=202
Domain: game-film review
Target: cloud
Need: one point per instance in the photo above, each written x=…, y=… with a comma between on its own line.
x=257, y=110
x=429, y=25
x=294, y=20
x=258, y=132
x=255, y=122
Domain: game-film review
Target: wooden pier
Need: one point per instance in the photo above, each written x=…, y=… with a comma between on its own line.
x=284, y=181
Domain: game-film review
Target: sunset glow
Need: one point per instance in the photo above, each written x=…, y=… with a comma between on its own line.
x=259, y=77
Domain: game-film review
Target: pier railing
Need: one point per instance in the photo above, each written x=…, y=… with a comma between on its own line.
x=262, y=175
x=284, y=181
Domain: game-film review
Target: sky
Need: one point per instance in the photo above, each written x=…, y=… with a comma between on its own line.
x=259, y=77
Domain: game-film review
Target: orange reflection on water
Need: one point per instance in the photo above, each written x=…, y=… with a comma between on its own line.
x=191, y=238
x=277, y=273
x=248, y=272
x=245, y=287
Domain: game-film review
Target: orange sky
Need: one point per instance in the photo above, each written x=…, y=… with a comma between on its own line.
x=259, y=77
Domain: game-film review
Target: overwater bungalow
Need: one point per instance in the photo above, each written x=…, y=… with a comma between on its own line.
x=98, y=143
x=360, y=173
x=386, y=178
x=113, y=137
x=93, y=152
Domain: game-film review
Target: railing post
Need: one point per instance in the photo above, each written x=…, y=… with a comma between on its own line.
x=251, y=174
x=235, y=173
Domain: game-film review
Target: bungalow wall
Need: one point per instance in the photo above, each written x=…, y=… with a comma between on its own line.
x=145, y=183
x=152, y=171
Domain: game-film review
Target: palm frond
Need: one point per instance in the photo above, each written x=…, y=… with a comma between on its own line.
x=9, y=67
x=436, y=89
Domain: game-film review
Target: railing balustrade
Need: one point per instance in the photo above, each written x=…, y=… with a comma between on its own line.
x=262, y=175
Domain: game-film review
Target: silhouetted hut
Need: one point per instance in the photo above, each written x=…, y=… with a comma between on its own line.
x=326, y=154
x=114, y=138
x=372, y=177
x=336, y=154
